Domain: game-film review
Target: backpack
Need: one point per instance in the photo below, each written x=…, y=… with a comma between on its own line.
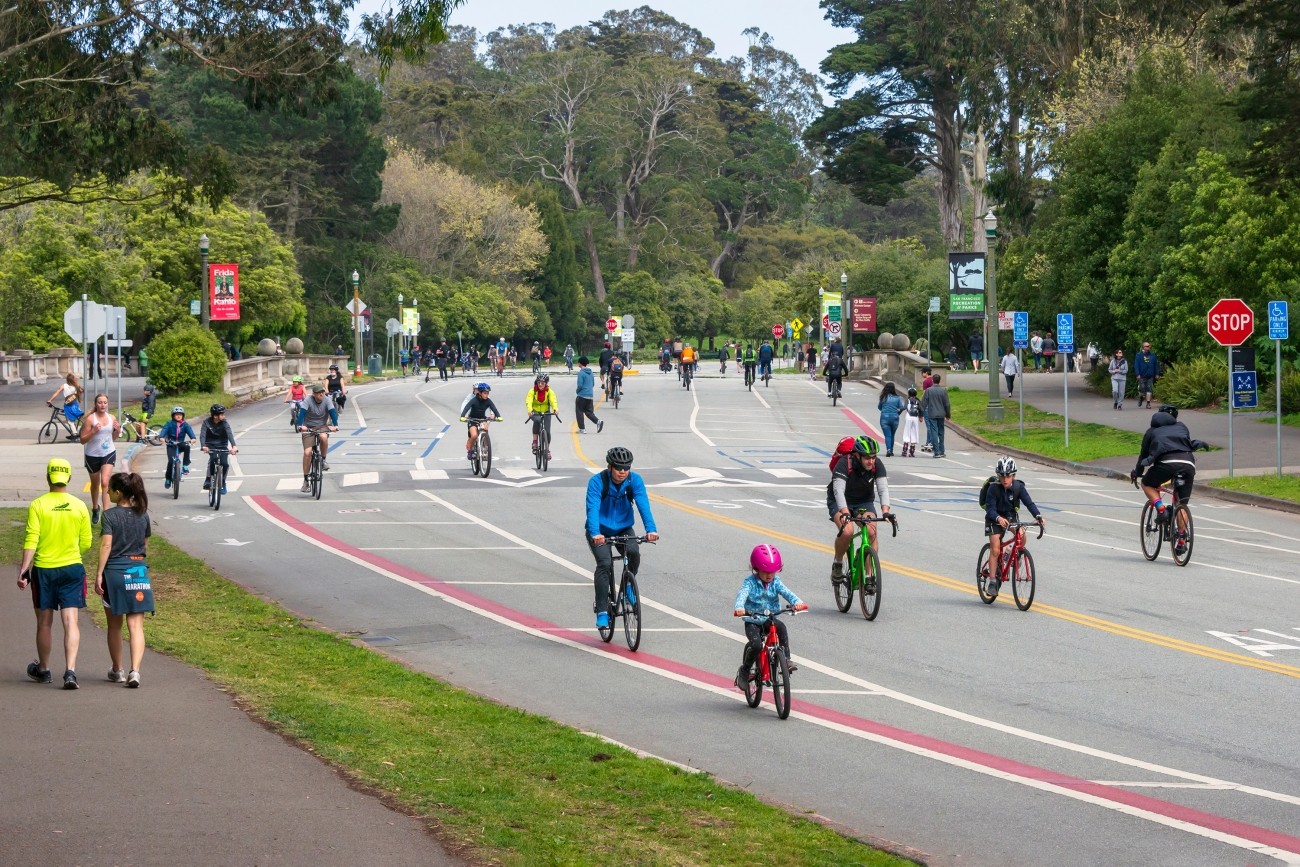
x=984, y=494
x=604, y=488
x=834, y=365
x=616, y=365
x=913, y=407
x=844, y=447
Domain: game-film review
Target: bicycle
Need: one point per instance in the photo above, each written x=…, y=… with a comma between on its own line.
x=771, y=667
x=294, y=406
x=49, y=432
x=1016, y=557
x=625, y=604
x=1176, y=526
x=175, y=468
x=152, y=435
x=835, y=394
x=767, y=373
x=480, y=456
x=217, y=477
x=542, y=454
x=688, y=373
x=316, y=471
x=867, y=583
x=749, y=377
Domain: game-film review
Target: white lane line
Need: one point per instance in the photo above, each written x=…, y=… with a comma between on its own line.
x=386, y=523
x=931, y=477
x=453, y=548
x=834, y=692
x=232, y=485
x=1069, y=483
x=513, y=583
x=880, y=689
x=288, y=484
x=695, y=397
x=428, y=475
x=1142, y=784
x=783, y=473
x=356, y=407
x=698, y=472
x=350, y=479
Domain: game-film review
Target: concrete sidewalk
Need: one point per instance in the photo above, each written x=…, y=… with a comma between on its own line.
x=171, y=773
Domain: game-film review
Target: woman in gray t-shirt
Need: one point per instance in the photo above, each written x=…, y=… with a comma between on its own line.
x=123, y=579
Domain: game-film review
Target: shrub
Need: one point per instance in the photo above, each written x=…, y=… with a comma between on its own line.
x=1290, y=390
x=1200, y=382
x=185, y=358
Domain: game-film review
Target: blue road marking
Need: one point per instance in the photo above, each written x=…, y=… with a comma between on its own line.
x=436, y=440
x=358, y=432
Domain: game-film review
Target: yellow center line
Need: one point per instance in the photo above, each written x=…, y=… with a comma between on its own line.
x=968, y=587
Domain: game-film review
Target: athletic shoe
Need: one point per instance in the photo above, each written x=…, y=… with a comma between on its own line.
x=117, y=675
x=793, y=667
x=548, y=454
x=306, y=486
x=469, y=454
x=600, y=426
x=602, y=620
x=223, y=490
x=38, y=674
x=167, y=482
x=992, y=586
x=185, y=470
x=324, y=466
x=133, y=679
x=837, y=571
x=94, y=516
x=207, y=484
x=742, y=678
x=70, y=679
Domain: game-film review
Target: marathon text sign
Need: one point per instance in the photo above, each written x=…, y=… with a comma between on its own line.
x=223, y=293
x=863, y=314
x=965, y=285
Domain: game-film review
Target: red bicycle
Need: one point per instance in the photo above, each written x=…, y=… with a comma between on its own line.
x=1017, y=567
x=771, y=667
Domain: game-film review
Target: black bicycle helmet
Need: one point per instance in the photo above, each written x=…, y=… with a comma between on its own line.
x=334, y=367
x=1006, y=466
x=619, y=457
x=1169, y=408
x=216, y=409
x=866, y=446
x=542, y=379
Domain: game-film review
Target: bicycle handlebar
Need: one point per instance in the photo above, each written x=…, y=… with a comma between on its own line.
x=629, y=538
x=1016, y=525
x=548, y=412
x=766, y=614
x=872, y=519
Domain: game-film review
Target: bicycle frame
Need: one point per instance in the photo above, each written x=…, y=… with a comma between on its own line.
x=1177, y=526
x=866, y=582
x=626, y=602
x=771, y=667
x=1015, y=564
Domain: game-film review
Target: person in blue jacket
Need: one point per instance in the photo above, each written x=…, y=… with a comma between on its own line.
x=761, y=591
x=610, y=495
x=1146, y=367
x=177, y=434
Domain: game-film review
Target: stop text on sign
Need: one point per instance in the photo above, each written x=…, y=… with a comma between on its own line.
x=1231, y=321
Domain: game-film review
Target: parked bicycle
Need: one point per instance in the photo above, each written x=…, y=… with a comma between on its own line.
x=480, y=456
x=1017, y=567
x=771, y=667
x=626, y=603
x=863, y=575
x=1175, y=527
x=49, y=432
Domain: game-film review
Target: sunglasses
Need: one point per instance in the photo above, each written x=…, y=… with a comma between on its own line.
x=621, y=469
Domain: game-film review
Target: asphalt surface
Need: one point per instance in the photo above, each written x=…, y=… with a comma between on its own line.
x=1138, y=713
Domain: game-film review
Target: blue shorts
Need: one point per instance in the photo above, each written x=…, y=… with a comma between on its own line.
x=60, y=587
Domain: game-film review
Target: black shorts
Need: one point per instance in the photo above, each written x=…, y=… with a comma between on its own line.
x=94, y=465
x=854, y=508
x=1160, y=474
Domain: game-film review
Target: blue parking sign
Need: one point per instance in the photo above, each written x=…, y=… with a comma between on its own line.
x=1245, y=389
x=1065, y=332
x=1020, y=330
x=1279, y=326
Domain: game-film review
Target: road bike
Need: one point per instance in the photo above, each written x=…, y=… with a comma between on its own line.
x=1017, y=566
x=216, y=478
x=316, y=468
x=767, y=373
x=626, y=603
x=863, y=575
x=835, y=391
x=480, y=456
x=688, y=373
x=175, y=467
x=542, y=451
x=1176, y=527
x=152, y=434
x=49, y=432
x=613, y=391
x=749, y=377
x=771, y=667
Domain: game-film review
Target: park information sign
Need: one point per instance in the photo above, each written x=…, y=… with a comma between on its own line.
x=864, y=315
x=965, y=285
x=223, y=293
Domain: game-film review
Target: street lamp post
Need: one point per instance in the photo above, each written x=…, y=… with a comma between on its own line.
x=356, y=319
x=846, y=315
x=415, y=303
x=203, y=280
x=401, y=325
x=995, y=411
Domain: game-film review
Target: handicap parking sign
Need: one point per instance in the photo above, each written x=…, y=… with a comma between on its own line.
x=1065, y=332
x=1020, y=330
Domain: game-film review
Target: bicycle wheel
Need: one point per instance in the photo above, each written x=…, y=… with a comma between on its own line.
x=780, y=683
x=152, y=437
x=835, y=396
x=843, y=587
x=475, y=462
x=484, y=454
x=982, y=576
x=48, y=434
x=1181, y=512
x=316, y=474
x=214, y=487
x=630, y=603
x=689, y=377
x=543, y=450
x=1151, y=532
x=869, y=589
x=618, y=393
x=176, y=477
x=607, y=632
x=754, y=686
x=1022, y=580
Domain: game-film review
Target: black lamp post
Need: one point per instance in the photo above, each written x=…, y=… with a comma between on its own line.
x=995, y=411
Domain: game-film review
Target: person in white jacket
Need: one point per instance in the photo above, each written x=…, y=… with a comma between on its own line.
x=1010, y=369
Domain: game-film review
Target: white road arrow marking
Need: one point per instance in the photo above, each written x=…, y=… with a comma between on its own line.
x=235, y=542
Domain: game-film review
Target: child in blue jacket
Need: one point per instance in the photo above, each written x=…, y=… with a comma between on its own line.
x=762, y=590
x=177, y=433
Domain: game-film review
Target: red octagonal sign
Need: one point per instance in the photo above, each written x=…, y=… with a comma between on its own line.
x=1230, y=321
x=611, y=325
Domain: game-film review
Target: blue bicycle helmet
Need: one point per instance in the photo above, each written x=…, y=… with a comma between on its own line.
x=482, y=386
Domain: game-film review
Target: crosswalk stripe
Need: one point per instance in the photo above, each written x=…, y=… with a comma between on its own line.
x=288, y=484
x=351, y=479
x=427, y=475
x=783, y=473
x=932, y=477
x=698, y=472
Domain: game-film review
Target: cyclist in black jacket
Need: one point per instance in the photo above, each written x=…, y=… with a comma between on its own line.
x=1002, y=502
x=216, y=433
x=1167, y=448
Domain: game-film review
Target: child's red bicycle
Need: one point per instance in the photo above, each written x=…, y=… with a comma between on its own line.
x=771, y=667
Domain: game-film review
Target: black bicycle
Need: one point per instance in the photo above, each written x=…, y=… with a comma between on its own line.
x=217, y=476
x=175, y=467
x=626, y=604
x=688, y=373
x=613, y=391
x=542, y=453
x=1175, y=527
x=316, y=469
x=835, y=393
x=749, y=377
x=58, y=421
x=480, y=456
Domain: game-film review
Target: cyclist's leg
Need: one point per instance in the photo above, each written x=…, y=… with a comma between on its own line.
x=308, y=438
x=994, y=534
x=783, y=636
x=324, y=444
x=633, y=549
x=604, y=555
x=756, y=635
x=537, y=427
x=843, y=535
x=185, y=455
x=471, y=436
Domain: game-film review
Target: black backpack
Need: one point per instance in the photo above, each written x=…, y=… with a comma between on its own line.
x=604, y=487
x=993, y=480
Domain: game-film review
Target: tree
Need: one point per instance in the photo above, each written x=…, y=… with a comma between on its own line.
x=557, y=278
x=694, y=305
x=640, y=294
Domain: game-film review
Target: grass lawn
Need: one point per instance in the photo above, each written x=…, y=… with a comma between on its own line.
x=196, y=405
x=1044, y=431
x=1285, y=488
x=515, y=787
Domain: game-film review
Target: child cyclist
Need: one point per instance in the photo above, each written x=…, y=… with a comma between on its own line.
x=474, y=411
x=177, y=434
x=762, y=590
x=1002, y=501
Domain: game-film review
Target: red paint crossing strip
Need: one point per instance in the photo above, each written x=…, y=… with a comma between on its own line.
x=1220, y=828
x=863, y=424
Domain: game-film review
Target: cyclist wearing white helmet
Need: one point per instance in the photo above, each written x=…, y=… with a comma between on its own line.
x=475, y=411
x=1001, y=504
x=610, y=496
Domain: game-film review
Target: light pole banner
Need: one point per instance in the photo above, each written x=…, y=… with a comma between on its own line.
x=410, y=321
x=223, y=293
x=832, y=305
x=966, y=285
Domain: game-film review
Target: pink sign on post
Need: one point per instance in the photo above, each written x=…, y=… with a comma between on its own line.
x=223, y=292
x=863, y=314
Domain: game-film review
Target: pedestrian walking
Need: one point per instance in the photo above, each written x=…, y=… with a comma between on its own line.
x=1094, y=355
x=1049, y=351
x=911, y=423
x=99, y=430
x=583, y=404
x=58, y=530
x=1036, y=347
x=891, y=408
x=937, y=410
x=1118, y=378
x=1010, y=370
x=123, y=579
x=1146, y=367
x=976, y=343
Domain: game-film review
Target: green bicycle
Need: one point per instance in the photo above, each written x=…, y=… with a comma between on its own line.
x=863, y=576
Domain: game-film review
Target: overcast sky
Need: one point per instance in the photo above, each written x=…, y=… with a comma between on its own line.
x=796, y=26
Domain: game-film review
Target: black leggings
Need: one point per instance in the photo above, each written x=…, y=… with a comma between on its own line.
x=757, y=635
x=604, y=555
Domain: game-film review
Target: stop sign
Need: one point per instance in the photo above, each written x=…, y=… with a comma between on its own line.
x=778, y=329
x=611, y=324
x=1230, y=321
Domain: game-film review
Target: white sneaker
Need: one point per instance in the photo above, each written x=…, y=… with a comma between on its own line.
x=306, y=486
x=117, y=675
x=133, y=679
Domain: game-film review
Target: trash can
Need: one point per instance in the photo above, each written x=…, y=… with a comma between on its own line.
x=375, y=365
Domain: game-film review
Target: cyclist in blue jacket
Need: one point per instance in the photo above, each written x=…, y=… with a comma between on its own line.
x=177, y=434
x=610, y=495
x=762, y=590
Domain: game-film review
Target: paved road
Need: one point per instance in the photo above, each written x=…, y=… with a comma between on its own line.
x=1140, y=713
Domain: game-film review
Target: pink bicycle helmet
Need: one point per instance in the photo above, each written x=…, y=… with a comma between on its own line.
x=765, y=558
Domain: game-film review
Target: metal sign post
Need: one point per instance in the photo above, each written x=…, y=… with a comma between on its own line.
x=1065, y=343
x=1020, y=342
x=1279, y=329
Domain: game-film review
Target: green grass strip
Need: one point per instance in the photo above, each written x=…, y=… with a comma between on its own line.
x=1284, y=488
x=513, y=787
x=1044, y=431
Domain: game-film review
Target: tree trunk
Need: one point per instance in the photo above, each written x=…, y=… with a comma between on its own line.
x=597, y=278
x=948, y=133
x=975, y=178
